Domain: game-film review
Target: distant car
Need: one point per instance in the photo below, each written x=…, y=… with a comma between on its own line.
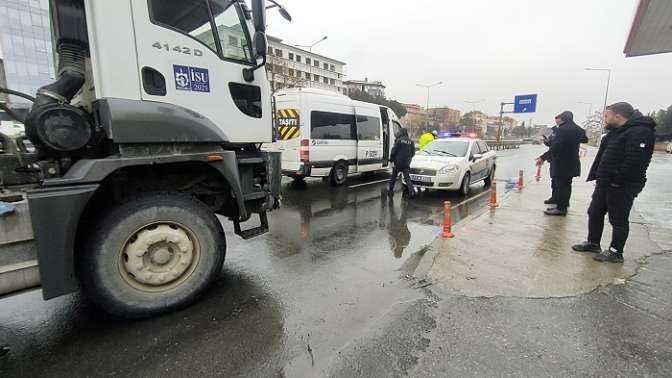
x=668, y=149
x=454, y=164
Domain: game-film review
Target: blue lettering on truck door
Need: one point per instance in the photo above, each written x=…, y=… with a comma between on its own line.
x=191, y=79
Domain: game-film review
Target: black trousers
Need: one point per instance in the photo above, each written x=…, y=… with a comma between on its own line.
x=562, y=191
x=554, y=196
x=617, y=202
x=407, y=177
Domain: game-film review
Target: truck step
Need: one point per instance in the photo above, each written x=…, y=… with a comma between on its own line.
x=253, y=232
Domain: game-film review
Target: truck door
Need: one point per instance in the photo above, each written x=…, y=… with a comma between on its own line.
x=385, y=119
x=191, y=53
x=369, y=139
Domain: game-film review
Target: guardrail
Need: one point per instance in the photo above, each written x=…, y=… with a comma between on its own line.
x=504, y=144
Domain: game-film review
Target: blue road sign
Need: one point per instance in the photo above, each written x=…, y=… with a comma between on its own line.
x=525, y=104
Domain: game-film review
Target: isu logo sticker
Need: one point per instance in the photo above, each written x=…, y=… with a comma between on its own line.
x=288, y=124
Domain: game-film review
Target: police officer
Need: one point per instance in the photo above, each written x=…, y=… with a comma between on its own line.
x=427, y=138
x=401, y=156
x=564, y=155
x=620, y=171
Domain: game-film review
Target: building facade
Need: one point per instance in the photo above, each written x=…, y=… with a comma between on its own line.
x=374, y=88
x=292, y=67
x=445, y=116
x=25, y=42
x=415, y=120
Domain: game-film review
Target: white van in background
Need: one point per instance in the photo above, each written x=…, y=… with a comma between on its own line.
x=326, y=134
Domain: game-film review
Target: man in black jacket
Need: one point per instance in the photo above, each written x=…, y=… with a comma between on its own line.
x=564, y=155
x=401, y=156
x=620, y=171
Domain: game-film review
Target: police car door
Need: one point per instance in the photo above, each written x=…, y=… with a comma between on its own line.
x=184, y=61
x=369, y=139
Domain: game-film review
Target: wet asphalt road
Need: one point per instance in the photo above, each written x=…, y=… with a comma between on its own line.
x=325, y=293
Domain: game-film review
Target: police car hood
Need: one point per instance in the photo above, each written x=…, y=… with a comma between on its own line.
x=434, y=162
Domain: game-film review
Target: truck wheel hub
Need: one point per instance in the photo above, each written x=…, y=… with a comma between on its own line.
x=158, y=255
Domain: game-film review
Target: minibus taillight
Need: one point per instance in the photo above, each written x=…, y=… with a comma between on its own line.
x=304, y=151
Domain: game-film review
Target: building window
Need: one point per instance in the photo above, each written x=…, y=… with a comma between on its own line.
x=298, y=58
x=325, y=80
x=332, y=81
x=308, y=61
x=291, y=56
x=326, y=66
x=270, y=50
x=316, y=78
x=307, y=75
x=278, y=53
x=316, y=63
x=332, y=67
x=291, y=72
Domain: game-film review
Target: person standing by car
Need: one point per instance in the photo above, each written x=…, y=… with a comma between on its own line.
x=620, y=171
x=564, y=158
x=548, y=140
x=401, y=155
x=427, y=138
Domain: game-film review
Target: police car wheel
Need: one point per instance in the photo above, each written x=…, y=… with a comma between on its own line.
x=466, y=182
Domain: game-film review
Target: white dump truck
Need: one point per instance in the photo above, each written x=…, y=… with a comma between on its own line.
x=153, y=126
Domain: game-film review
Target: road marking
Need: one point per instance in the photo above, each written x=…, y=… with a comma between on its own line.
x=368, y=183
x=474, y=198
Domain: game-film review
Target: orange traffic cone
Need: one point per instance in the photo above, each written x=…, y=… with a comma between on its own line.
x=447, y=222
x=493, y=196
x=521, y=181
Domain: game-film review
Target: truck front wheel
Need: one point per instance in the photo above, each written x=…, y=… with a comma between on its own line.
x=155, y=253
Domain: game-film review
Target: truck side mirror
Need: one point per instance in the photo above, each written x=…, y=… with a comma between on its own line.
x=259, y=15
x=260, y=45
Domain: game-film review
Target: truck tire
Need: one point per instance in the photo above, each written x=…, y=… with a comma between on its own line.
x=153, y=254
x=339, y=174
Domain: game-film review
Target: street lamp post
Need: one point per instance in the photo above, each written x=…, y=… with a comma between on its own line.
x=606, y=94
x=310, y=50
x=428, y=87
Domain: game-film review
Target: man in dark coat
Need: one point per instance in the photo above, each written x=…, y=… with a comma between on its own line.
x=401, y=156
x=564, y=155
x=620, y=171
x=548, y=140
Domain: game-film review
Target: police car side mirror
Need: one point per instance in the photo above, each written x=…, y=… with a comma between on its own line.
x=476, y=157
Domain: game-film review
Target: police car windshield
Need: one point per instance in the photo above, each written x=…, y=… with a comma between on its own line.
x=457, y=148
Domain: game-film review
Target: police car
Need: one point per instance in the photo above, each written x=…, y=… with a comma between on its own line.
x=454, y=164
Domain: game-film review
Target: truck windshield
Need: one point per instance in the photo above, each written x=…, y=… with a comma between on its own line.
x=457, y=148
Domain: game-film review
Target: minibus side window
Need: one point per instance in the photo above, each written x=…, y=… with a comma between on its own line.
x=332, y=126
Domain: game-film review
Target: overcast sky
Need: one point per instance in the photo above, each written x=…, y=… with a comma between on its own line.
x=485, y=49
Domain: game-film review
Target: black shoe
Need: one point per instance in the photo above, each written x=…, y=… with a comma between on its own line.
x=556, y=212
x=587, y=247
x=550, y=201
x=609, y=256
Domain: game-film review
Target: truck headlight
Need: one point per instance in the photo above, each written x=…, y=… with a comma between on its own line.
x=448, y=169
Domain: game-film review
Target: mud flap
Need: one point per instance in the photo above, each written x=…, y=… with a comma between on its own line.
x=253, y=232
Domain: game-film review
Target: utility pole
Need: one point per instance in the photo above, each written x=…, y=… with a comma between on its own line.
x=606, y=93
x=501, y=119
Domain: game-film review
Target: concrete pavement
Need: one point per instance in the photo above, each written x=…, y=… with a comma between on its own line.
x=517, y=251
